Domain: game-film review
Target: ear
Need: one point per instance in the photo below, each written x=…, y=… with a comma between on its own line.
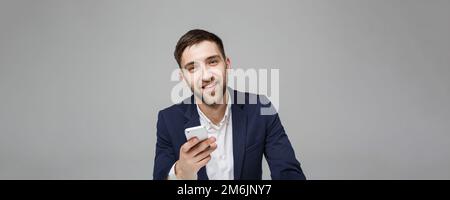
x=228, y=62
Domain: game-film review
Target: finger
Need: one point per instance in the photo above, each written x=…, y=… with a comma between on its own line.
x=202, y=146
x=205, y=153
x=189, y=144
x=203, y=162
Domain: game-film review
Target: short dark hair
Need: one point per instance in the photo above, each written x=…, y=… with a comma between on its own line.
x=193, y=37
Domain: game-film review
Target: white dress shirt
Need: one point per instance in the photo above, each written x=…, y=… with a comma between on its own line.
x=220, y=167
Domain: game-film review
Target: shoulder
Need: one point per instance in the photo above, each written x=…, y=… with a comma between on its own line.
x=253, y=103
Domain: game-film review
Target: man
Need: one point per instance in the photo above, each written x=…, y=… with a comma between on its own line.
x=239, y=135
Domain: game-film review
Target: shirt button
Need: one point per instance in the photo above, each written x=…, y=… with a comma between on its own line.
x=222, y=157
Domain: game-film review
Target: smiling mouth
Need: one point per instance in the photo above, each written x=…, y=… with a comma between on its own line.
x=209, y=86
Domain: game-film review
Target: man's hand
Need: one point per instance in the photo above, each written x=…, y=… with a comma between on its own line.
x=193, y=156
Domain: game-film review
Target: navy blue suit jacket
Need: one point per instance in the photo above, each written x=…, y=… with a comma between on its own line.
x=254, y=135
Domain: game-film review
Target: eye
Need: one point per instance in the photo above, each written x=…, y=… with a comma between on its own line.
x=213, y=62
x=190, y=68
x=193, y=68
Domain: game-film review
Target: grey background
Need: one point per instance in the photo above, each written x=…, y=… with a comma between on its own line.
x=364, y=85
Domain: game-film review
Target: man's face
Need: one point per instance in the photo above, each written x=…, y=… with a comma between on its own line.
x=204, y=69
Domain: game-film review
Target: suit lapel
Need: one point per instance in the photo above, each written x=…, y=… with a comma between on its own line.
x=239, y=119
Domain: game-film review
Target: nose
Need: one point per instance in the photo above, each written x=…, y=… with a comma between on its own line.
x=206, y=74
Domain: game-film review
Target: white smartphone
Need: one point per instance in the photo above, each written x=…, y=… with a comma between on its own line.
x=197, y=131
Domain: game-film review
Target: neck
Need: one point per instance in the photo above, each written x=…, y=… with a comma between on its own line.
x=215, y=112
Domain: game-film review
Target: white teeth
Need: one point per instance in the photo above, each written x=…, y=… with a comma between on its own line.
x=209, y=85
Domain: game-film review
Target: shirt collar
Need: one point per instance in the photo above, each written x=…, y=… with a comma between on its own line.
x=225, y=118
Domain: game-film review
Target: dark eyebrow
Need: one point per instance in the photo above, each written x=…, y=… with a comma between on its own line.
x=207, y=59
x=213, y=57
